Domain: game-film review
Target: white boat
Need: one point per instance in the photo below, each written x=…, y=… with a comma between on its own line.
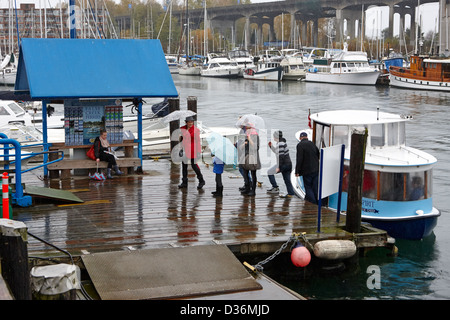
x=313, y=54
x=292, y=64
x=348, y=67
x=220, y=67
x=8, y=71
x=172, y=63
x=267, y=67
x=243, y=58
x=191, y=68
x=397, y=185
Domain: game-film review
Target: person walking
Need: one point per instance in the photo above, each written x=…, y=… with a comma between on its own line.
x=283, y=165
x=102, y=152
x=249, y=161
x=190, y=137
x=307, y=165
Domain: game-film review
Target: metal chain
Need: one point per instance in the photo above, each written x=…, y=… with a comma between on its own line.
x=259, y=266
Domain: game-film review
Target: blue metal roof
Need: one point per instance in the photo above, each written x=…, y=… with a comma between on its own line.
x=91, y=68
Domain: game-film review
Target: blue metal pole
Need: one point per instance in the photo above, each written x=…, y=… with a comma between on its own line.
x=140, y=131
x=73, y=26
x=44, y=135
x=319, y=209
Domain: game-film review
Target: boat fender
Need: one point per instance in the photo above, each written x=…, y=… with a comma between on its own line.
x=334, y=249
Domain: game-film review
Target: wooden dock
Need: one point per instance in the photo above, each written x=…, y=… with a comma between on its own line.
x=149, y=211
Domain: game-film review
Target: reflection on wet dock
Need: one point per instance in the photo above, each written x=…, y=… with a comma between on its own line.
x=149, y=211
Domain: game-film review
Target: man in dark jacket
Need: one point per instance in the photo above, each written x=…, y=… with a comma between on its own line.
x=308, y=167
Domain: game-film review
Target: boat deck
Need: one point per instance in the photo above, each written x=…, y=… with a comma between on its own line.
x=149, y=211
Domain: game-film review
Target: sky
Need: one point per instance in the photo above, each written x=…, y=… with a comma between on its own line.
x=429, y=13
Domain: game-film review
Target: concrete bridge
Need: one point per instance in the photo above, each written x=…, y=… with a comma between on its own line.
x=304, y=15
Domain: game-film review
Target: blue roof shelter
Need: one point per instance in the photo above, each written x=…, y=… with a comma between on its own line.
x=58, y=69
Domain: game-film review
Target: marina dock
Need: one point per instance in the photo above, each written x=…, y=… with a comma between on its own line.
x=143, y=211
x=130, y=221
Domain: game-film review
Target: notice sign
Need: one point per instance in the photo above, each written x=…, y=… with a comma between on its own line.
x=331, y=158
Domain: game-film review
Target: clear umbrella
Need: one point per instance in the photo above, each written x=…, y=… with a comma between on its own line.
x=251, y=120
x=178, y=115
x=222, y=148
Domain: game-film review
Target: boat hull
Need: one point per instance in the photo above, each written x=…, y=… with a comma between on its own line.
x=273, y=74
x=230, y=74
x=413, y=228
x=360, y=78
x=408, y=83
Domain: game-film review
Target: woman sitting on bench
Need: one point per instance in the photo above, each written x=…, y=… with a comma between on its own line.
x=102, y=153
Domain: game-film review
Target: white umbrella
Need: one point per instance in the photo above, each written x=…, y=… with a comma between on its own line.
x=178, y=115
x=251, y=120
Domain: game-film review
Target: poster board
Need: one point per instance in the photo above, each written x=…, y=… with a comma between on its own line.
x=83, y=120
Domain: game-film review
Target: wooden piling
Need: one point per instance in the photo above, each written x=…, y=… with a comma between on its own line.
x=174, y=105
x=14, y=258
x=192, y=105
x=356, y=175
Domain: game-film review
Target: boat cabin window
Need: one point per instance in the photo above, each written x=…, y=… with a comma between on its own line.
x=392, y=134
x=3, y=111
x=405, y=186
x=340, y=135
x=16, y=109
x=393, y=186
x=322, y=135
x=377, y=135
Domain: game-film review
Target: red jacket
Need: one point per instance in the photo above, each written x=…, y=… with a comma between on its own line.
x=191, y=142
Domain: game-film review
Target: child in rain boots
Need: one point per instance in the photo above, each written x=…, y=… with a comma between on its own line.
x=218, y=170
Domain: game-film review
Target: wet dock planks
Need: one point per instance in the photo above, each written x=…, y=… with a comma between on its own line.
x=148, y=211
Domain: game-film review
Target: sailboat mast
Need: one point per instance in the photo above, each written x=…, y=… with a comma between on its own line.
x=73, y=28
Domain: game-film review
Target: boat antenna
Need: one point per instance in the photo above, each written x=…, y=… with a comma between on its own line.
x=378, y=112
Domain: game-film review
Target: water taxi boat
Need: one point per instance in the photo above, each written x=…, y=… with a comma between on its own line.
x=348, y=67
x=397, y=184
x=424, y=73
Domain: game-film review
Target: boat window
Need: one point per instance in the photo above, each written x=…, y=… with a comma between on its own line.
x=340, y=135
x=369, y=182
x=392, y=133
x=16, y=109
x=377, y=135
x=322, y=136
x=3, y=111
x=405, y=186
x=401, y=133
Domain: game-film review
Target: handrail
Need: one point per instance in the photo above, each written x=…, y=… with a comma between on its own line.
x=19, y=197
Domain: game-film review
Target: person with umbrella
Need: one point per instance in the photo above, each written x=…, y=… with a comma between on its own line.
x=192, y=148
x=248, y=152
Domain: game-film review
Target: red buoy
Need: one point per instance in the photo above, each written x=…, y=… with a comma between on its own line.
x=300, y=256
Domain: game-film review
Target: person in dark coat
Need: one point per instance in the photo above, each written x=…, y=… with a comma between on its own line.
x=102, y=152
x=308, y=166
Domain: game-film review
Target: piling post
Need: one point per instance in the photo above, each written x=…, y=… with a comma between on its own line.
x=14, y=258
x=356, y=175
x=174, y=105
x=192, y=105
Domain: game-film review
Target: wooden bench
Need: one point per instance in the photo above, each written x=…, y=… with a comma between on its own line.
x=62, y=169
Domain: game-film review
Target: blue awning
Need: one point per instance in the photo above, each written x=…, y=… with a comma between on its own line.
x=93, y=68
